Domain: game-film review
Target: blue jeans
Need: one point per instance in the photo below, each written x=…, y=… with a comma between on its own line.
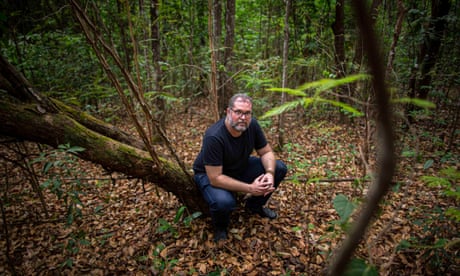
x=222, y=202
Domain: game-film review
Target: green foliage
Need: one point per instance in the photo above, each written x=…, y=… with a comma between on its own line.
x=416, y=102
x=55, y=62
x=165, y=226
x=58, y=166
x=72, y=246
x=297, y=157
x=344, y=208
x=318, y=87
x=439, y=224
x=447, y=180
x=358, y=267
x=160, y=263
x=62, y=179
x=434, y=243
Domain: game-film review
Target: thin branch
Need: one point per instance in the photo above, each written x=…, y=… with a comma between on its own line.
x=136, y=90
x=95, y=39
x=384, y=123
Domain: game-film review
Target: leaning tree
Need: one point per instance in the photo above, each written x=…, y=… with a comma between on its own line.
x=27, y=114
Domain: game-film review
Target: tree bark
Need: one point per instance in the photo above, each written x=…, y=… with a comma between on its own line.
x=430, y=49
x=338, y=28
x=214, y=58
x=58, y=124
x=229, y=42
x=420, y=81
x=339, y=38
x=284, y=80
x=398, y=27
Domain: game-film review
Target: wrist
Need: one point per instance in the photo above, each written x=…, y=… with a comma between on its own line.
x=249, y=191
x=271, y=171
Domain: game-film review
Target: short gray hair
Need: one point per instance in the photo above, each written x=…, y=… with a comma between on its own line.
x=242, y=96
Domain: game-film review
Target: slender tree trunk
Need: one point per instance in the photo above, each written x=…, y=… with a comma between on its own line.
x=149, y=79
x=123, y=27
x=284, y=77
x=397, y=31
x=214, y=58
x=155, y=37
x=420, y=81
x=339, y=39
x=339, y=43
x=156, y=57
x=358, y=56
x=430, y=49
x=227, y=82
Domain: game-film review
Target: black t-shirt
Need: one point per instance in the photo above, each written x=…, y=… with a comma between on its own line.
x=220, y=148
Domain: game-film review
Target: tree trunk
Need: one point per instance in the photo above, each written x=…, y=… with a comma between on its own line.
x=123, y=26
x=338, y=28
x=214, y=58
x=156, y=59
x=227, y=82
x=339, y=38
x=398, y=27
x=420, y=82
x=358, y=57
x=284, y=80
x=430, y=49
x=54, y=124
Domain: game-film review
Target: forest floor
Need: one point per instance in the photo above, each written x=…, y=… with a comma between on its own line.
x=132, y=228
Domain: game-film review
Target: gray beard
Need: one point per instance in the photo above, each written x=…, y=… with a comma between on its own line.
x=239, y=128
x=236, y=126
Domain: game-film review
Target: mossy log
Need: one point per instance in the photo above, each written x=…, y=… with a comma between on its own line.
x=47, y=121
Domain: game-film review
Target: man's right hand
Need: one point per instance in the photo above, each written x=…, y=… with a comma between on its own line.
x=261, y=186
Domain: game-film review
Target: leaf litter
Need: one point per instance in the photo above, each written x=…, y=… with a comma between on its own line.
x=131, y=228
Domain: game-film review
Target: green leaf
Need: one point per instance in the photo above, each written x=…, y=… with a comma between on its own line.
x=343, y=207
x=296, y=228
x=325, y=84
x=75, y=149
x=434, y=181
x=179, y=214
x=359, y=267
x=417, y=102
x=404, y=244
x=290, y=91
x=428, y=164
x=454, y=213
x=344, y=106
x=280, y=109
x=47, y=167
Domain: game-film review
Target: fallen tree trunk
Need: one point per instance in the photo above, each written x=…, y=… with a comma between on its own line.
x=55, y=123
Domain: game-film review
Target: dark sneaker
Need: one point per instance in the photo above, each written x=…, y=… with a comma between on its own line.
x=220, y=234
x=264, y=212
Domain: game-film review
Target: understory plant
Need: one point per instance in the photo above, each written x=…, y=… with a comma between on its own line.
x=61, y=179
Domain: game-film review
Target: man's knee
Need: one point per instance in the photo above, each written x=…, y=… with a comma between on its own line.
x=224, y=204
x=281, y=170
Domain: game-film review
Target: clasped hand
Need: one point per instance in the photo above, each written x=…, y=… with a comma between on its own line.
x=263, y=185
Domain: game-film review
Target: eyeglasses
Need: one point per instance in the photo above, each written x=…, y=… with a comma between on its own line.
x=240, y=113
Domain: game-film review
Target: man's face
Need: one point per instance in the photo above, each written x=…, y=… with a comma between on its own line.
x=239, y=116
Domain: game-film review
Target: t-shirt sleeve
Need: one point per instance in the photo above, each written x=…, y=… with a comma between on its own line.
x=260, y=140
x=212, y=151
